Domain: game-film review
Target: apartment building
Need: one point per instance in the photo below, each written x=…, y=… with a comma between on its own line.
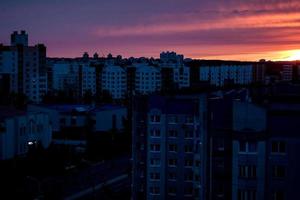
x=114, y=80
x=21, y=131
x=26, y=66
x=169, y=151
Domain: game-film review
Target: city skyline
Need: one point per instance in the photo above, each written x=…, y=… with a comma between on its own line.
x=229, y=30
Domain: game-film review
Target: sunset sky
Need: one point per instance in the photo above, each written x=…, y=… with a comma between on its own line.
x=206, y=29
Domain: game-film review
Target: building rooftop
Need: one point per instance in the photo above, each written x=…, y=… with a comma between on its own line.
x=80, y=108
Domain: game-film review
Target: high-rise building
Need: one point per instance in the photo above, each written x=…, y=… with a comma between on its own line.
x=147, y=79
x=169, y=148
x=114, y=80
x=26, y=66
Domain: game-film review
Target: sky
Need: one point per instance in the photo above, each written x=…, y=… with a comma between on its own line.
x=203, y=29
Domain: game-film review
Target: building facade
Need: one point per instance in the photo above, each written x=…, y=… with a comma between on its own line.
x=22, y=131
x=114, y=80
x=169, y=151
x=26, y=66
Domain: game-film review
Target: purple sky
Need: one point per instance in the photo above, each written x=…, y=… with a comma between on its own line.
x=225, y=29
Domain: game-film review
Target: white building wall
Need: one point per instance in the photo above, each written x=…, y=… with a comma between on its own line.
x=147, y=79
x=114, y=80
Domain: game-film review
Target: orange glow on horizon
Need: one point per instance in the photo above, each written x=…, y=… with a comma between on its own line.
x=291, y=55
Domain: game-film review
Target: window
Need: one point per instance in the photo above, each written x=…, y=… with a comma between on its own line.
x=189, y=134
x=188, y=163
x=189, y=120
x=142, y=147
x=188, y=191
x=172, y=176
x=173, y=120
x=188, y=148
x=155, y=162
x=173, y=147
x=155, y=118
x=197, y=163
x=172, y=162
x=172, y=190
x=247, y=147
x=278, y=171
x=154, y=176
x=246, y=194
x=278, y=195
x=219, y=144
x=247, y=171
x=154, y=147
x=154, y=190
x=278, y=147
x=173, y=133
x=188, y=177
x=155, y=133
x=197, y=177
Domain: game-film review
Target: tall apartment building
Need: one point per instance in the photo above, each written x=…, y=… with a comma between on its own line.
x=169, y=148
x=147, y=79
x=249, y=156
x=287, y=73
x=114, y=80
x=221, y=75
x=26, y=66
x=181, y=73
x=65, y=76
x=87, y=77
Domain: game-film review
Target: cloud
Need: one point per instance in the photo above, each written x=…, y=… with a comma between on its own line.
x=197, y=28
